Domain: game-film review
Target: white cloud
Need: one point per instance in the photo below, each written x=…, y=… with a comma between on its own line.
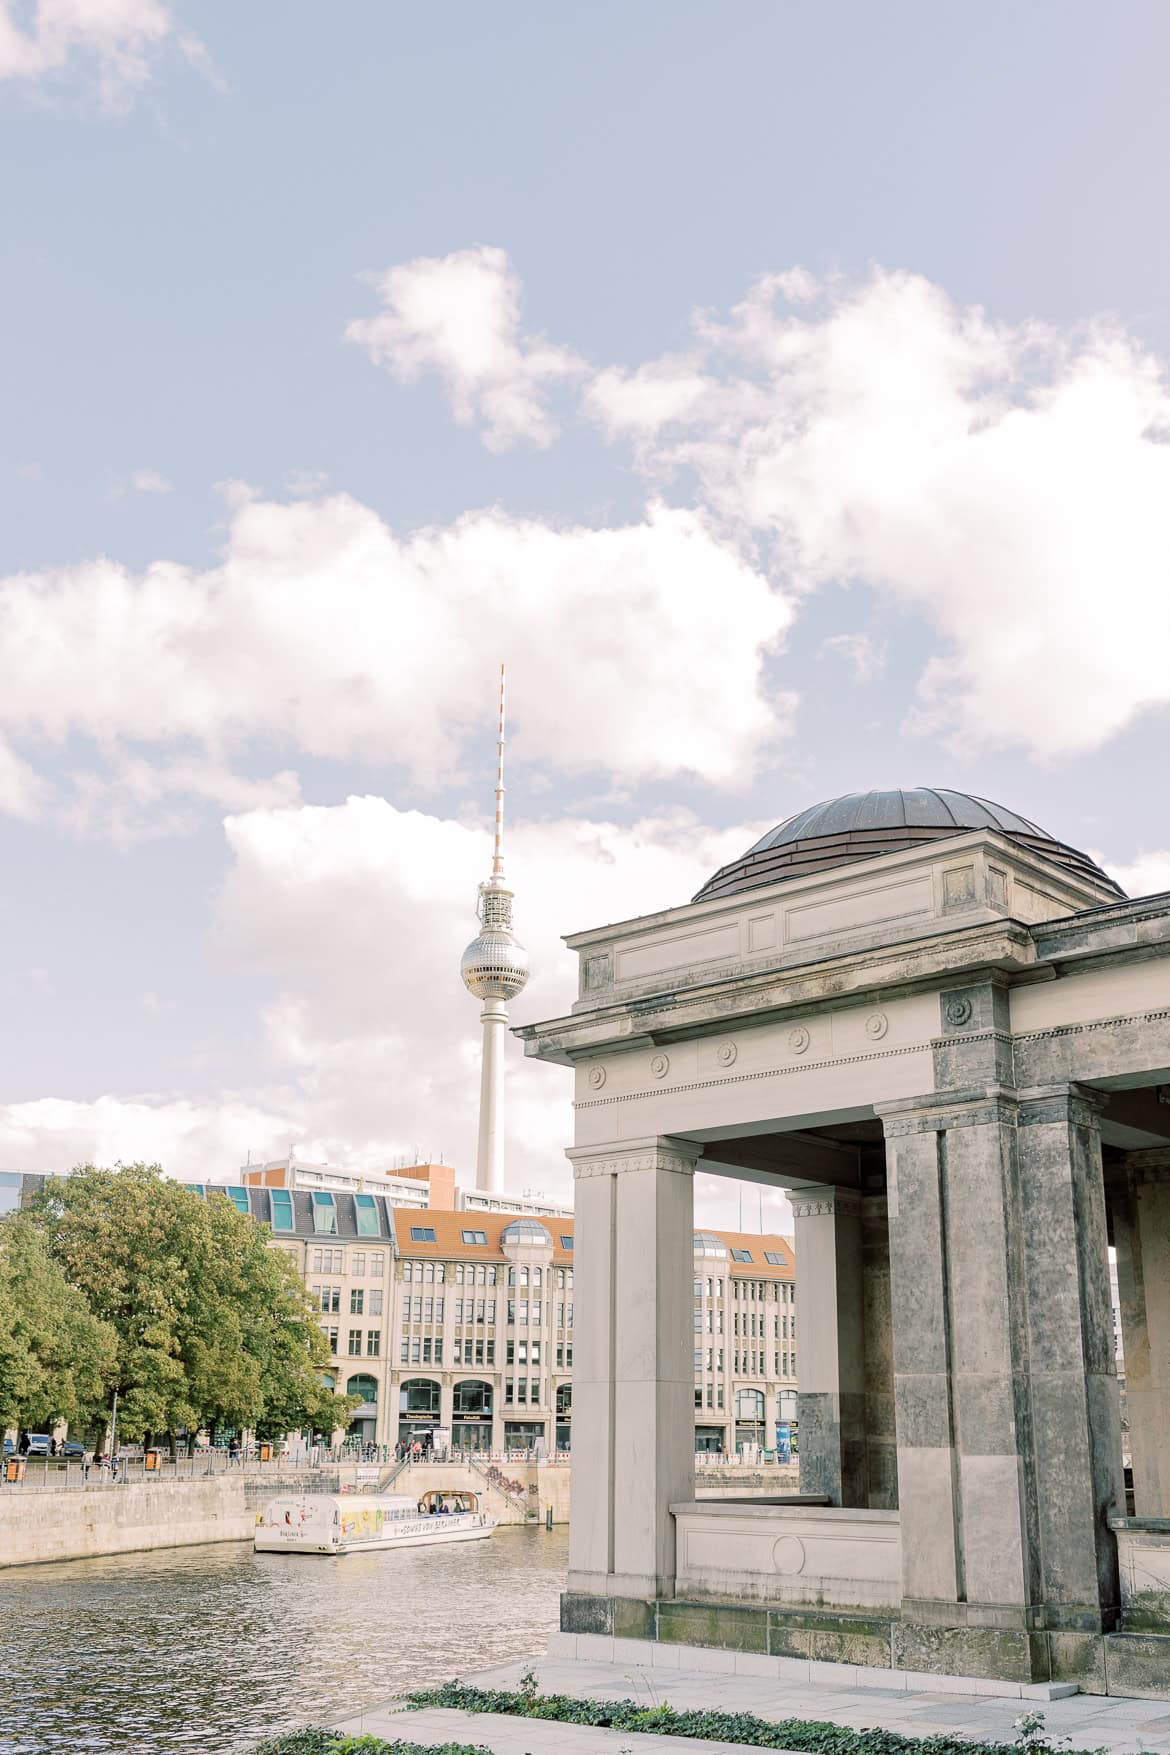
x=24, y=793
x=118, y=36
x=459, y=316
x=637, y=652
x=866, y=655
x=149, y=481
x=1147, y=875
x=359, y=913
x=1008, y=482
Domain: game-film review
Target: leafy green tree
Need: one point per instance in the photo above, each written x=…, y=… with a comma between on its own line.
x=57, y=1359
x=213, y=1327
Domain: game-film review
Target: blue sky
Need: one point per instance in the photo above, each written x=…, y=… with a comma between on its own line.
x=346, y=350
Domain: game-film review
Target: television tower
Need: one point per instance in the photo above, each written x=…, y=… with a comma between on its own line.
x=494, y=969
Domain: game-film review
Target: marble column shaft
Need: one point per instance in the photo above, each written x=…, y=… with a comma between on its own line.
x=1006, y=1399
x=829, y=1303
x=633, y=1379
x=1139, y=1194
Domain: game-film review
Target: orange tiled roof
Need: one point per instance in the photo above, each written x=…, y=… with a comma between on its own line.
x=449, y=1244
x=449, y=1229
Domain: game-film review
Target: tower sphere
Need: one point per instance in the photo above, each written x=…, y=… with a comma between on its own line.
x=495, y=966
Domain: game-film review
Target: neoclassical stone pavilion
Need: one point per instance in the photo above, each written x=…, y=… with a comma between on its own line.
x=948, y=1035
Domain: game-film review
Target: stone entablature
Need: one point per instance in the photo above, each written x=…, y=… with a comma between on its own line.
x=970, y=879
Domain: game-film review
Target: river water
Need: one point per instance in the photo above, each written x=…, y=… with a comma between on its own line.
x=209, y=1649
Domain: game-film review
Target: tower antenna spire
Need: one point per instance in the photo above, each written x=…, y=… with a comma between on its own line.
x=494, y=970
x=498, y=853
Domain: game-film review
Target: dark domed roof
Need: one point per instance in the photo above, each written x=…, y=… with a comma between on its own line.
x=861, y=825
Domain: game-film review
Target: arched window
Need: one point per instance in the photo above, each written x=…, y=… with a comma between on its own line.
x=364, y=1385
x=749, y=1404
x=472, y=1397
x=418, y=1395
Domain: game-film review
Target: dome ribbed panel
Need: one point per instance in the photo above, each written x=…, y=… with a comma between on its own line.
x=864, y=825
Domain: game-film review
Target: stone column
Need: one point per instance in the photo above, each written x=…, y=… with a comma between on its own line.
x=633, y=1376
x=831, y=1402
x=1140, y=1202
x=1006, y=1404
x=881, y=1444
x=1076, y=1427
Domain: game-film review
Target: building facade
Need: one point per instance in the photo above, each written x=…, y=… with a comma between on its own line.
x=458, y=1327
x=947, y=1034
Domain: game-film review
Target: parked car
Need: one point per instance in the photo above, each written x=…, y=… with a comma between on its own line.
x=9, y=1447
x=37, y=1444
x=72, y=1447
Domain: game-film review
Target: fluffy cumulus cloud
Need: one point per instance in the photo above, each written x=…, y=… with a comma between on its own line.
x=357, y=915
x=118, y=37
x=636, y=653
x=458, y=316
x=1147, y=875
x=1009, y=482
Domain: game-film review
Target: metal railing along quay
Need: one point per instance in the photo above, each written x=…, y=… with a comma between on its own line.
x=135, y=1467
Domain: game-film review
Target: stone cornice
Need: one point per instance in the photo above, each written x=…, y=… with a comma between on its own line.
x=779, y=1070
x=823, y=1203
x=829, y=983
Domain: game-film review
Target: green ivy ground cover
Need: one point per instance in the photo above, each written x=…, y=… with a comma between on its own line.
x=728, y=1727
x=314, y=1741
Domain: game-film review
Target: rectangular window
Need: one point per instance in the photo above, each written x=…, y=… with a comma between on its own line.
x=522, y=1389
x=719, y=1395
x=332, y=1333
x=324, y=1213
x=560, y=1358
x=741, y=1255
x=568, y=1358
x=438, y=1310
x=524, y=1311
x=405, y=1355
x=698, y=1398
x=375, y=1300
x=511, y=1310
x=521, y=1352
x=374, y=1342
x=509, y=1395
x=406, y=1308
x=491, y=1310
x=560, y=1316
x=282, y=1209
x=569, y=1316
x=417, y=1307
x=698, y=1288
x=698, y=1358
x=316, y=1261
x=537, y=1307
x=479, y=1352
x=475, y=1236
x=479, y=1309
x=422, y=1233
x=458, y=1352
x=566, y=1240
x=414, y=1350
x=357, y=1300
x=511, y=1353
x=698, y=1318
x=773, y=1258
x=438, y=1349
x=355, y=1341
x=536, y=1352
x=426, y=1350
x=357, y=1264
x=428, y=1310
x=710, y=1396
x=366, y=1208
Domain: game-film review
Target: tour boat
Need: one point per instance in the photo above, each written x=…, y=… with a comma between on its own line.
x=344, y=1523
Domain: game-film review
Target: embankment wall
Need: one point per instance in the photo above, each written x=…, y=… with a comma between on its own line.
x=83, y=1522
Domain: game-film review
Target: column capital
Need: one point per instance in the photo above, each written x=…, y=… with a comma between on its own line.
x=1079, y=1104
x=1149, y=1165
x=940, y=1111
x=824, y=1202
x=616, y=1157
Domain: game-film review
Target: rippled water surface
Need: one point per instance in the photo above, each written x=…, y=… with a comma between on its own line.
x=209, y=1649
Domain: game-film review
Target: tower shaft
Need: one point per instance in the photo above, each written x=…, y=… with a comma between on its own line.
x=489, y=1162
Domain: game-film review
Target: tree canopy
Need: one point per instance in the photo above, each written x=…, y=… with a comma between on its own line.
x=56, y=1357
x=203, y=1323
